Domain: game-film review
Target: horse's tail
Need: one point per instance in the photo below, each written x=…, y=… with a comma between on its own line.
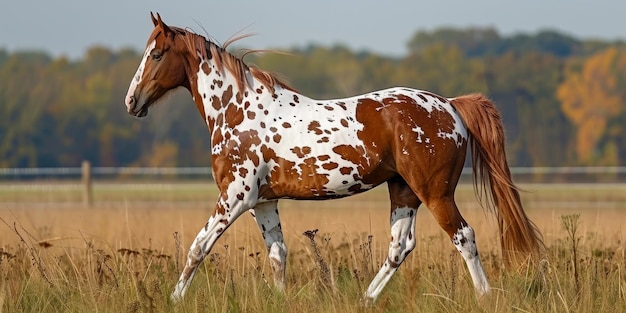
x=519, y=237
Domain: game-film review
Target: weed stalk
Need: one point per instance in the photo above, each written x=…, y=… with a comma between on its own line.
x=570, y=224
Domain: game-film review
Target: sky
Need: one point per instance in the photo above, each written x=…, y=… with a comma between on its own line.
x=70, y=27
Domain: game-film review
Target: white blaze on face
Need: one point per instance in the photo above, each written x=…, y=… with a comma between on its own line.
x=139, y=74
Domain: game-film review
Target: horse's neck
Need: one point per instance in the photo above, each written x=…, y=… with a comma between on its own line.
x=222, y=94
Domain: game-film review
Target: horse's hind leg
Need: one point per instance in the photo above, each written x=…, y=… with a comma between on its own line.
x=266, y=216
x=446, y=213
x=404, y=204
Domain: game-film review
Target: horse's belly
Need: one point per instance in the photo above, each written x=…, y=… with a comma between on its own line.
x=312, y=182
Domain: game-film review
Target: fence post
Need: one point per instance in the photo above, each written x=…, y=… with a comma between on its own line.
x=86, y=178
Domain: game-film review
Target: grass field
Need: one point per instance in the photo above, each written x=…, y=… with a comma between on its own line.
x=125, y=253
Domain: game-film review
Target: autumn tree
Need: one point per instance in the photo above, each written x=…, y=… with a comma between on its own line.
x=592, y=97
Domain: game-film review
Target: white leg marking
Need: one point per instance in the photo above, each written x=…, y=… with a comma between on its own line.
x=464, y=241
x=402, y=243
x=266, y=215
x=206, y=238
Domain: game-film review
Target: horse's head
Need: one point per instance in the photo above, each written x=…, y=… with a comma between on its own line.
x=163, y=68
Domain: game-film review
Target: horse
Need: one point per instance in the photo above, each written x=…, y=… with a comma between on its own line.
x=269, y=142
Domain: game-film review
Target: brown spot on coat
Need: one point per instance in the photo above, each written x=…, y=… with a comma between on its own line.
x=352, y=154
x=301, y=182
x=345, y=170
x=277, y=138
x=330, y=165
x=219, y=209
x=215, y=102
x=217, y=137
x=243, y=172
x=314, y=126
x=301, y=152
x=323, y=157
x=234, y=115
x=356, y=188
x=205, y=68
x=227, y=95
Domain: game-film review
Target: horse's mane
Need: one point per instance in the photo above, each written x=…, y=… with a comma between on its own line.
x=206, y=49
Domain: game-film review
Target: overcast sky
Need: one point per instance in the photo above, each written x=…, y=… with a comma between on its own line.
x=69, y=27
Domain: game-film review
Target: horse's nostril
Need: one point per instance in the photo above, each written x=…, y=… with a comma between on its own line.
x=130, y=103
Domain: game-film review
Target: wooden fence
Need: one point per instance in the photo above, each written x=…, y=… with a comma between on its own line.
x=86, y=175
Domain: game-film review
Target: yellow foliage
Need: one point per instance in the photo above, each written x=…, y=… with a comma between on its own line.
x=593, y=96
x=589, y=133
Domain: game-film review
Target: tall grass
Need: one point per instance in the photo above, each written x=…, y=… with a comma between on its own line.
x=126, y=257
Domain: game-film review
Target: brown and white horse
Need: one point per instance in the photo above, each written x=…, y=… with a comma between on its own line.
x=269, y=142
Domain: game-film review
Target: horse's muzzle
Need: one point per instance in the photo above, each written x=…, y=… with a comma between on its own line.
x=131, y=105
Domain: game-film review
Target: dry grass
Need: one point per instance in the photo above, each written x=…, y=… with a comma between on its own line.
x=125, y=254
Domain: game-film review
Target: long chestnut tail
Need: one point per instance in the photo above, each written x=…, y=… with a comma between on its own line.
x=519, y=237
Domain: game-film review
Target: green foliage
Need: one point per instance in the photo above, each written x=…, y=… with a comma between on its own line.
x=481, y=42
x=59, y=112
x=523, y=87
x=472, y=41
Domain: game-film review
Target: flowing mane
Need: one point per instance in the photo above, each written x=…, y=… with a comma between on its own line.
x=206, y=49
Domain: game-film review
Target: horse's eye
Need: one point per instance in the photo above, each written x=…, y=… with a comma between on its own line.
x=157, y=55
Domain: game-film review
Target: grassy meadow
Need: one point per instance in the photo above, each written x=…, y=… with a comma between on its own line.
x=124, y=254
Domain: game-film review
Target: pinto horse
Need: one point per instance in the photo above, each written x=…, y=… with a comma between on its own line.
x=270, y=142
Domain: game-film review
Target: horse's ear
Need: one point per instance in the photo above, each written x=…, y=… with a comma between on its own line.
x=166, y=30
x=154, y=20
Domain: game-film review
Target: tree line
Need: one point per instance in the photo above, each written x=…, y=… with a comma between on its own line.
x=562, y=99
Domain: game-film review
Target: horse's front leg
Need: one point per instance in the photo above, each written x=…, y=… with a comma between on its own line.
x=227, y=210
x=266, y=216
